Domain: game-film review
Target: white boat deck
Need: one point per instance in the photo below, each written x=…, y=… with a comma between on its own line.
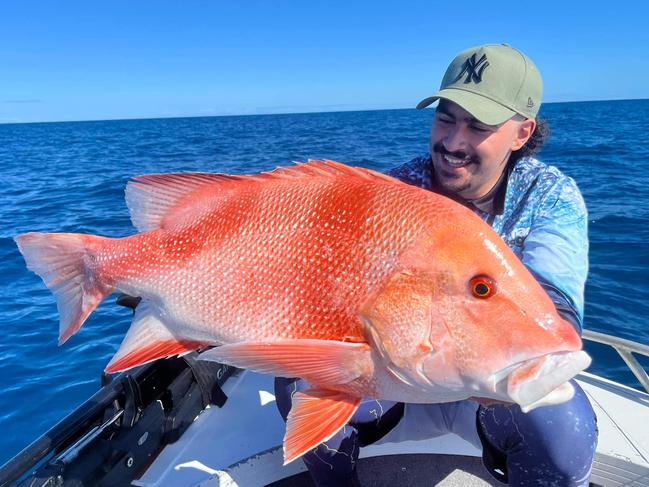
x=623, y=422
x=240, y=444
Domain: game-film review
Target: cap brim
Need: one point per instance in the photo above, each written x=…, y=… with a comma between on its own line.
x=483, y=109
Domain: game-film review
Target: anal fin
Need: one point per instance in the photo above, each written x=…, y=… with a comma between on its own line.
x=316, y=415
x=149, y=339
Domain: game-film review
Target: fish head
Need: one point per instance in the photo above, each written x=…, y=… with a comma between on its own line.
x=463, y=317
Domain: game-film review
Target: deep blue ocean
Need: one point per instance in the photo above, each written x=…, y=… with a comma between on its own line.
x=70, y=177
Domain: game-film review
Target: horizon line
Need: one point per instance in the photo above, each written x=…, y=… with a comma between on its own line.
x=282, y=113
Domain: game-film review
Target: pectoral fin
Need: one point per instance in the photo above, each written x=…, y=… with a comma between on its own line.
x=317, y=361
x=316, y=415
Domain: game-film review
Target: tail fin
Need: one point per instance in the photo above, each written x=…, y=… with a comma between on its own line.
x=62, y=261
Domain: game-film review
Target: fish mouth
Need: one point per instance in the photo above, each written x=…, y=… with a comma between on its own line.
x=544, y=380
x=540, y=381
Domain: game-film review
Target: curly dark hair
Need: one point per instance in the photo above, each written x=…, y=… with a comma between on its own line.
x=534, y=143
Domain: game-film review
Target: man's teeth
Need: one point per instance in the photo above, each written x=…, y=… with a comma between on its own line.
x=455, y=161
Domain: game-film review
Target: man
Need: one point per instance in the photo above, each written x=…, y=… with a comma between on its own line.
x=482, y=137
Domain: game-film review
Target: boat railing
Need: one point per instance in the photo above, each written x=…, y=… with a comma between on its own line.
x=626, y=349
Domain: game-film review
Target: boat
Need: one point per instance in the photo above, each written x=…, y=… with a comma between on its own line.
x=186, y=422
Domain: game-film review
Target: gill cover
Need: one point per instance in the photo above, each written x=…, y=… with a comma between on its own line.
x=402, y=325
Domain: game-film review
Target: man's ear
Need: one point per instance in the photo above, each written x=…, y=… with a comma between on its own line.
x=524, y=132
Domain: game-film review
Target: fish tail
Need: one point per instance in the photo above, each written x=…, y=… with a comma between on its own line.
x=65, y=263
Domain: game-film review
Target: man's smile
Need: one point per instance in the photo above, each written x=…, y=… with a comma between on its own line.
x=452, y=162
x=456, y=161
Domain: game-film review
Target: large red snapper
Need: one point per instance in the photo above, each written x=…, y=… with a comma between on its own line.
x=361, y=284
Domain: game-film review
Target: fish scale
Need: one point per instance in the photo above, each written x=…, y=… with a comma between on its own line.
x=265, y=240
x=312, y=263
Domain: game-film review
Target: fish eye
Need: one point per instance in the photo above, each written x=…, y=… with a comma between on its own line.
x=482, y=287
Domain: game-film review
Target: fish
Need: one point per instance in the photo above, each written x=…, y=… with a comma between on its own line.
x=360, y=284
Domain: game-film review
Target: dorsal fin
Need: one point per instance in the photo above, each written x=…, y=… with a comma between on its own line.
x=329, y=168
x=153, y=198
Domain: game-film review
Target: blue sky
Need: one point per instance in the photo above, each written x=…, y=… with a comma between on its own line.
x=92, y=60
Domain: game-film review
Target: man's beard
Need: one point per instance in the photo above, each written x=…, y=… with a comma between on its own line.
x=448, y=183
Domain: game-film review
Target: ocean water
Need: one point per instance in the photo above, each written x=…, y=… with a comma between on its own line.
x=70, y=177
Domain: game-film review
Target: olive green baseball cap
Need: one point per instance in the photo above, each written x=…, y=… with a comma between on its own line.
x=492, y=82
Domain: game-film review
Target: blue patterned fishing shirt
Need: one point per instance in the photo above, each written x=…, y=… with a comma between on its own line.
x=540, y=213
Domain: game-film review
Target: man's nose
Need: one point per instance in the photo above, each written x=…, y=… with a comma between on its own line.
x=455, y=139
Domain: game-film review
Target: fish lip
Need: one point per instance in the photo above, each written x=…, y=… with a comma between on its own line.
x=499, y=375
x=563, y=393
x=554, y=370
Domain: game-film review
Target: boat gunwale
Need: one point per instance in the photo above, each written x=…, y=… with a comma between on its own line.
x=625, y=348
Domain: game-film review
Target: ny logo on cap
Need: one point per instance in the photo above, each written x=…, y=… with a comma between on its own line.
x=473, y=69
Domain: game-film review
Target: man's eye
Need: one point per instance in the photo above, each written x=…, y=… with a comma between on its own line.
x=477, y=128
x=444, y=120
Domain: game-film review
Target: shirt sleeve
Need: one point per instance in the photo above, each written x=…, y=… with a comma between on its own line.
x=556, y=249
